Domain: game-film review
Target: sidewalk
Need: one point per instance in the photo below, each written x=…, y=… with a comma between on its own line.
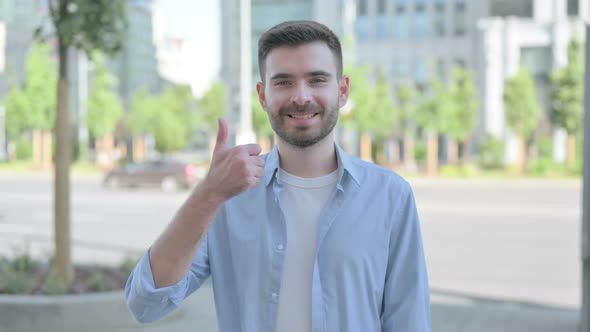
x=456, y=313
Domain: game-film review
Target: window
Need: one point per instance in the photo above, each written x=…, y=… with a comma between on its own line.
x=401, y=69
x=419, y=5
x=459, y=17
x=421, y=71
x=362, y=28
x=439, y=5
x=573, y=7
x=382, y=27
x=421, y=25
x=440, y=28
x=400, y=5
x=401, y=27
x=361, y=8
x=382, y=7
x=519, y=8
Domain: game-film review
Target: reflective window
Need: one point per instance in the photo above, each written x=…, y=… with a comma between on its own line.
x=381, y=7
x=401, y=30
x=382, y=27
x=361, y=7
x=421, y=26
x=519, y=8
x=459, y=18
x=362, y=28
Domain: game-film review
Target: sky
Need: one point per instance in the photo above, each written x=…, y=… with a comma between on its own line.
x=198, y=22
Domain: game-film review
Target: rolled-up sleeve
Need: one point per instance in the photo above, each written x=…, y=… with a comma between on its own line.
x=148, y=303
x=406, y=297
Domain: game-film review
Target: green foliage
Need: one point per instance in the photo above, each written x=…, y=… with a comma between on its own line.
x=406, y=100
x=568, y=90
x=169, y=117
x=143, y=112
x=260, y=120
x=15, y=282
x=128, y=264
x=420, y=151
x=211, y=106
x=433, y=113
x=104, y=107
x=97, y=282
x=54, y=286
x=23, y=148
x=89, y=25
x=373, y=109
x=491, y=153
x=544, y=162
x=463, y=170
x=521, y=104
x=462, y=115
x=32, y=106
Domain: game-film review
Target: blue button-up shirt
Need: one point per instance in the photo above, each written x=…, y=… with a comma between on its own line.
x=369, y=272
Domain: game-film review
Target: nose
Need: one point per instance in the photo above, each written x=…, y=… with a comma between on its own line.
x=301, y=95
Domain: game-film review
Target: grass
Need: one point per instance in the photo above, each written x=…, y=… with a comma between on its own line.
x=23, y=167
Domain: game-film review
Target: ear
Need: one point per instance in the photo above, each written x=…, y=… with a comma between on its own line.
x=343, y=90
x=261, y=95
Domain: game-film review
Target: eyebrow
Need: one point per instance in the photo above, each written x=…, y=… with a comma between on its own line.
x=310, y=74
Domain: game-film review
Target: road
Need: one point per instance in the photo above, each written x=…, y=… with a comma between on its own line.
x=486, y=241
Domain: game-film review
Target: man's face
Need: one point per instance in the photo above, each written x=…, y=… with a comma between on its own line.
x=302, y=93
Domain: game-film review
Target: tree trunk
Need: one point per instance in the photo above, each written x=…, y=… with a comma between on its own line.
x=46, y=150
x=432, y=155
x=409, y=160
x=571, y=149
x=138, y=148
x=453, y=153
x=63, y=262
x=37, y=148
x=394, y=153
x=522, y=155
x=366, y=147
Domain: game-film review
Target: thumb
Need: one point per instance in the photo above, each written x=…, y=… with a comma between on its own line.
x=221, y=134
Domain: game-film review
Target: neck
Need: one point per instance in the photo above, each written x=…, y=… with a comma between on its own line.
x=314, y=161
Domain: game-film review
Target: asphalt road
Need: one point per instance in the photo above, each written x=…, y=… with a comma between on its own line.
x=492, y=240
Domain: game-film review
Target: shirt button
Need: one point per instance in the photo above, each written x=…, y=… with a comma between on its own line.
x=280, y=247
x=274, y=296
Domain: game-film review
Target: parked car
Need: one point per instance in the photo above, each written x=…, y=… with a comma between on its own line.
x=169, y=175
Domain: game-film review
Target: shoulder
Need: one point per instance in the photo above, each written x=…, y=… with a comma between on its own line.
x=376, y=176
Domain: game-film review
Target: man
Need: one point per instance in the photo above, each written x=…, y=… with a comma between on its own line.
x=306, y=238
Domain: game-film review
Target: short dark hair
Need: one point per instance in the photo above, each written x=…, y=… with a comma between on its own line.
x=296, y=33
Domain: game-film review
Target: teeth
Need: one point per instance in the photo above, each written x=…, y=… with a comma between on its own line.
x=302, y=117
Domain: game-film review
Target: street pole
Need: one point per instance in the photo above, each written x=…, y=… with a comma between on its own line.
x=245, y=133
x=585, y=324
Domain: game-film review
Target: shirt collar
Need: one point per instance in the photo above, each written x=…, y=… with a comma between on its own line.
x=345, y=164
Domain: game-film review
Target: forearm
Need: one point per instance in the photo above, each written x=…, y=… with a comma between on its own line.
x=172, y=254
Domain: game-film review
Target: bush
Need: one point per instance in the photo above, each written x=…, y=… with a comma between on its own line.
x=23, y=148
x=53, y=286
x=491, y=153
x=127, y=265
x=420, y=152
x=97, y=282
x=544, y=162
x=15, y=282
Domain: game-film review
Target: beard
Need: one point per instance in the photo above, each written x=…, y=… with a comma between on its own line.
x=304, y=136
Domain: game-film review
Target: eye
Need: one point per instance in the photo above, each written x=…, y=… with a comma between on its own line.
x=318, y=80
x=282, y=83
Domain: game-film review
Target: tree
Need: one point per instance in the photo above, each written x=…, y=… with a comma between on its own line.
x=568, y=96
x=89, y=26
x=386, y=115
x=211, y=106
x=104, y=111
x=407, y=104
x=522, y=109
x=431, y=115
x=174, y=117
x=141, y=118
x=32, y=106
x=261, y=124
x=373, y=112
x=462, y=112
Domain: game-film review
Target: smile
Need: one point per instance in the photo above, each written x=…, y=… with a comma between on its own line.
x=302, y=116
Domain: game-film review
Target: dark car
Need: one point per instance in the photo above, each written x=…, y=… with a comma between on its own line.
x=169, y=175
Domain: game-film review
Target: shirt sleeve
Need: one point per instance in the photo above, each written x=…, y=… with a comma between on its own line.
x=406, y=296
x=148, y=303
